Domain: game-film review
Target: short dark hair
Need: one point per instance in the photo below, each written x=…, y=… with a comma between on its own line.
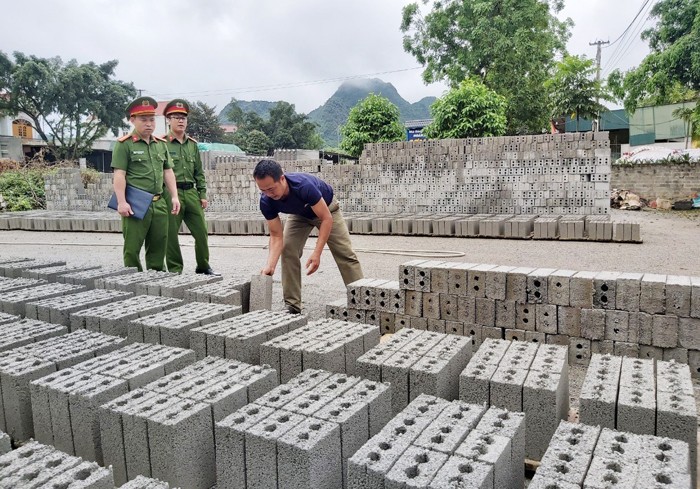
x=268, y=168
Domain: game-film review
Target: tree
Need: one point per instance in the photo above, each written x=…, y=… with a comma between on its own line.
x=203, y=124
x=256, y=143
x=373, y=120
x=289, y=130
x=510, y=44
x=70, y=105
x=284, y=129
x=468, y=111
x=671, y=72
x=687, y=115
x=574, y=90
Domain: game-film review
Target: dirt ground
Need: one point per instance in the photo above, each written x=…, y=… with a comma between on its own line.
x=671, y=245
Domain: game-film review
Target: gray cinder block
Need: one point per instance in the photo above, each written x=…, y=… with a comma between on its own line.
x=652, y=296
x=260, y=292
x=309, y=455
x=598, y=401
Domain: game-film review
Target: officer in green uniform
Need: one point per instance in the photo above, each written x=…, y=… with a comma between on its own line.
x=141, y=160
x=191, y=190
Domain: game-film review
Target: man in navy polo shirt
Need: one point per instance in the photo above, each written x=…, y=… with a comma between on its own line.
x=310, y=204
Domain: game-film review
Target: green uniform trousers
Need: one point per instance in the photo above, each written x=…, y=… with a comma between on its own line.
x=192, y=213
x=296, y=232
x=151, y=230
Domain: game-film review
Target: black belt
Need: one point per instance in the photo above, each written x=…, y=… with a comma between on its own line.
x=184, y=186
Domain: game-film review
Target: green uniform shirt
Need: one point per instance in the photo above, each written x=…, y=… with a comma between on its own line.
x=143, y=162
x=187, y=163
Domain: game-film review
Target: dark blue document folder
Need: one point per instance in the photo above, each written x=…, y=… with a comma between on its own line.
x=138, y=199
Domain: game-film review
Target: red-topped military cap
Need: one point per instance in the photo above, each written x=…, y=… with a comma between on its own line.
x=177, y=106
x=142, y=106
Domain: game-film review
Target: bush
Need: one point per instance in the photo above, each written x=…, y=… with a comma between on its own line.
x=22, y=190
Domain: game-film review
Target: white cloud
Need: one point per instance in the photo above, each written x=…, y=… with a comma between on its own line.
x=213, y=50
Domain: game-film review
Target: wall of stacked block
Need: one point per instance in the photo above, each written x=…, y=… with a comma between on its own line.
x=631, y=314
x=540, y=174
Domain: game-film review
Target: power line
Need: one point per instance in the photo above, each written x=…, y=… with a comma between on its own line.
x=264, y=88
x=632, y=22
x=622, y=49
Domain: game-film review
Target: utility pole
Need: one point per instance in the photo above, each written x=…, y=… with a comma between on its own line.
x=598, y=45
x=140, y=90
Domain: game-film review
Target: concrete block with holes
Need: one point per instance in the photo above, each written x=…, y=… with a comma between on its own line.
x=301, y=433
x=151, y=430
x=417, y=362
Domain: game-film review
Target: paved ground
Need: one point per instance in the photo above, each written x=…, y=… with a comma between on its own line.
x=671, y=245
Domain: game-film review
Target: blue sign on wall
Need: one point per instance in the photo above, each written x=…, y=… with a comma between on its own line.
x=414, y=133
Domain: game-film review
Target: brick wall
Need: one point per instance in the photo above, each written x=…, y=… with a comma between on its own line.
x=650, y=181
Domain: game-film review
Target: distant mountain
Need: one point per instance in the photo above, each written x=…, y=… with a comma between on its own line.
x=335, y=111
x=260, y=107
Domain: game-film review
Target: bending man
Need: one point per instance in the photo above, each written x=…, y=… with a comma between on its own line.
x=309, y=202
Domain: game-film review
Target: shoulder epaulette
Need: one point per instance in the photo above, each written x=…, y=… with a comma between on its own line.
x=159, y=139
x=124, y=138
x=192, y=139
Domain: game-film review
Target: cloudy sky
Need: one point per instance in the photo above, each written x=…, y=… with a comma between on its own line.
x=299, y=51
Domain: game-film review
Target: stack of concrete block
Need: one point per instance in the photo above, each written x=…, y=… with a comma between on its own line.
x=8, y=318
x=38, y=465
x=326, y=344
x=165, y=430
x=14, y=269
x=88, y=277
x=581, y=455
x=372, y=301
x=434, y=443
x=172, y=326
x=239, y=338
x=572, y=228
x=546, y=227
x=114, y=318
x=20, y=332
x=600, y=228
x=51, y=274
x=10, y=284
x=417, y=362
x=631, y=314
x=129, y=282
x=175, y=285
x=300, y=434
x=65, y=403
x=637, y=396
x=233, y=291
x=30, y=362
x=520, y=227
x=58, y=310
x=15, y=301
x=520, y=376
x=626, y=232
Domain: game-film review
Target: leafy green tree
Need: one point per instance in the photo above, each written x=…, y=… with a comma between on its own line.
x=671, y=72
x=574, y=90
x=70, y=105
x=257, y=143
x=374, y=120
x=511, y=44
x=468, y=111
x=687, y=115
x=203, y=123
x=284, y=129
x=289, y=130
